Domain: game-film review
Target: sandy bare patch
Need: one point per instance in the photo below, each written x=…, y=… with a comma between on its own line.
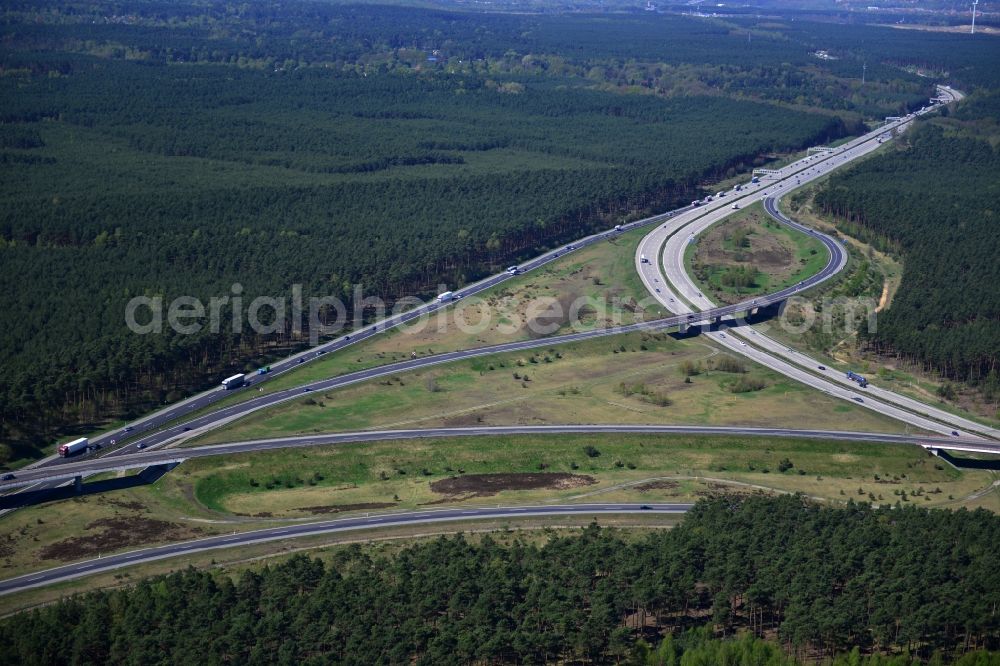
x=340, y=508
x=657, y=485
x=115, y=534
x=484, y=485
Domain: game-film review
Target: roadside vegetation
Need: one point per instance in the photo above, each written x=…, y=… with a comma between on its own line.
x=594, y=287
x=817, y=581
x=946, y=314
x=348, y=162
x=209, y=496
x=875, y=273
x=748, y=254
x=601, y=279
x=398, y=148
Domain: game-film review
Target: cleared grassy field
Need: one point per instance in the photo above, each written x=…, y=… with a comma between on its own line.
x=249, y=491
x=750, y=240
x=634, y=378
x=293, y=483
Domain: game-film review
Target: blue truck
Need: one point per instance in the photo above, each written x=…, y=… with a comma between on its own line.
x=855, y=377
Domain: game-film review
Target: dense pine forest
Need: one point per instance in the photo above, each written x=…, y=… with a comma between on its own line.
x=935, y=201
x=817, y=582
x=177, y=149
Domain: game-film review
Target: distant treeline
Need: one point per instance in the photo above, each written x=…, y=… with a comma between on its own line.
x=668, y=54
x=936, y=201
x=820, y=581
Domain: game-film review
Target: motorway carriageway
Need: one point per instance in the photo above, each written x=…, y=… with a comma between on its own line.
x=768, y=351
x=142, y=459
x=225, y=415
x=396, y=519
x=830, y=381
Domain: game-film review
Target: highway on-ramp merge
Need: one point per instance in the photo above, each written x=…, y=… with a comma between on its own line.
x=151, y=433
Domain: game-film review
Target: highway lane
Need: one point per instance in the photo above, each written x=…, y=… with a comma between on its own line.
x=177, y=411
x=873, y=396
x=959, y=424
x=196, y=425
x=151, y=422
x=149, y=457
x=367, y=522
x=675, y=273
x=674, y=243
x=231, y=412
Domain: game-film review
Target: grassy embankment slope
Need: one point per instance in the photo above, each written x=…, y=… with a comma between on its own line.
x=947, y=262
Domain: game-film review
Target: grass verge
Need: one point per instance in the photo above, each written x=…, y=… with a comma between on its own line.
x=633, y=378
x=749, y=254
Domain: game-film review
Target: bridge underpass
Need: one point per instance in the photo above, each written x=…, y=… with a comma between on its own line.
x=79, y=486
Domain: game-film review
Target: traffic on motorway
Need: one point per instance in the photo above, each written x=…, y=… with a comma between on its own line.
x=774, y=355
x=131, y=440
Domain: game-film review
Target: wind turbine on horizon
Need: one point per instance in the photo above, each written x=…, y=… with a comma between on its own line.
x=974, y=3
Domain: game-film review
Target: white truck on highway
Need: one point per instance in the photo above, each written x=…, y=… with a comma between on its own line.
x=446, y=296
x=77, y=445
x=235, y=381
x=643, y=259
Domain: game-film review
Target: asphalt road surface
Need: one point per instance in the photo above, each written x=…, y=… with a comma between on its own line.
x=396, y=519
x=147, y=458
x=678, y=292
x=137, y=441
x=134, y=432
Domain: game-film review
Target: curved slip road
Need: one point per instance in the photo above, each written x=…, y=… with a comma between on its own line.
x=675, y=237
x=398, y=519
